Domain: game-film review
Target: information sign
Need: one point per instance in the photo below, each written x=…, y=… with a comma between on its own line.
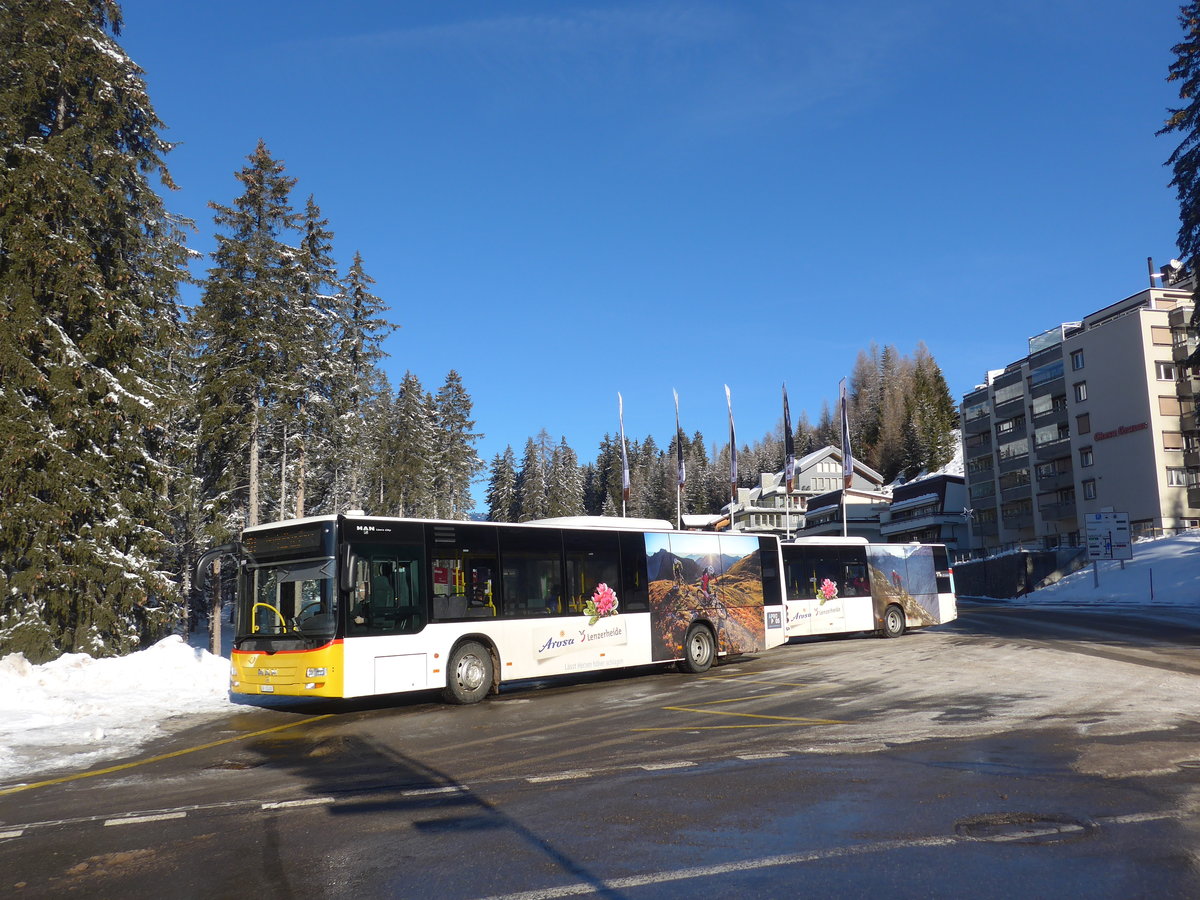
x=1108, y=536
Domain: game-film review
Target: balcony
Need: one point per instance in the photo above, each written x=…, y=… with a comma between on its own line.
x=978, y=425
x=1056, y=481
x=1057, y=415
x=985, y=529
x=1013, y=463
x=1054, y=449
x=1017, y=492
x=1056, y=512
x=1191, y=458
x=1009, y=408
x=1183, y=349
x=1018, y=521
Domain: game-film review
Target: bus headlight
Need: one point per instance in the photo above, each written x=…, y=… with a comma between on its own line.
x=315, y=672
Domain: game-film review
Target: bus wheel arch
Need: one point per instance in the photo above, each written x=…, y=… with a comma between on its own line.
x=894, y=622
x=699, y=648
x=471, y=672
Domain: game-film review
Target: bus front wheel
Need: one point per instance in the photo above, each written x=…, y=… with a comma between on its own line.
x=699, y=648
x=469, y=675
x=893, y=622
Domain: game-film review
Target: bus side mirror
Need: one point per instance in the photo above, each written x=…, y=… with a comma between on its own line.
x=348, y=569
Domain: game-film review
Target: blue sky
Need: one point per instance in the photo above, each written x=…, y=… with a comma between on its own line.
x=567, y=200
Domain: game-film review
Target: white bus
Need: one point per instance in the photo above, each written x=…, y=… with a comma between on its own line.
x=350, y=606
x=841, y=585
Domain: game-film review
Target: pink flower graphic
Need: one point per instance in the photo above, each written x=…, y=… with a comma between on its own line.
x=604, y=600
x=827, y=591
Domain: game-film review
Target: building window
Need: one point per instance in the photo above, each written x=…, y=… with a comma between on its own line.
x=1085, y=457
x=1089, y=489
x=1169, y=406
x=1083, y=424
x=1080, y=391
x=1165, y=370
x=1160, y=334
x=1076, y=360
x=1172, y=440
x=1176, y=477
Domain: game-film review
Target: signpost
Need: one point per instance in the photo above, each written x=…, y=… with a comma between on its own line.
x=1107, y=538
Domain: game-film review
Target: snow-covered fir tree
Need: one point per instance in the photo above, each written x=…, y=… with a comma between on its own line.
x=358, y=386
x=247, y=295
x=532, y=500
x=406, y=461
x=502, y=487
x=90, y=262
x=455, y=460
x=565, y=483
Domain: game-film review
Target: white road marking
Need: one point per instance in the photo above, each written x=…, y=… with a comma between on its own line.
x=749, y=865
x=428, y=792
x=4, y=835
x=658, y=767
x=292, y=804
x=138, y=820
x=561, y=776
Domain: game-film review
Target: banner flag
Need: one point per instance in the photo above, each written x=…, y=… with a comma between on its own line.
x=847, y=456
x=624, y=452
x=732, y=447
x=679, y=442
x=789, y=448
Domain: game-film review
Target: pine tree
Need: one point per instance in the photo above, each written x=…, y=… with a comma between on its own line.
x=358, y=380
x=1185, y=160
x=407, y=456
x=532, y=502
x=456, y=463
x=502, y=487
x=305, y=328
x=250, y=286
x=90, y=263
x=565, y=484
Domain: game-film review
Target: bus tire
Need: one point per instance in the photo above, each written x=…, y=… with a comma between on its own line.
x=469, y=675
x=699, y=650
x=893, y=622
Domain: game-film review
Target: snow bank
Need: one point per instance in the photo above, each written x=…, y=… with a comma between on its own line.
x=78, y=710
x=1163, y=573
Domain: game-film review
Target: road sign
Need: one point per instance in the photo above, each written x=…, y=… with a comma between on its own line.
x=1108, y=536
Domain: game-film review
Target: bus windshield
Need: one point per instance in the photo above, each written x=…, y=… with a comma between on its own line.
x=293, y=599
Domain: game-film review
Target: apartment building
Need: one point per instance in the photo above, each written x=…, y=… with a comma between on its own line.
x=1092, y=419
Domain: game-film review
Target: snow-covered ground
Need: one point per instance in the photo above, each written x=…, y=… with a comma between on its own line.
x=1164, y=574
x=77, y=711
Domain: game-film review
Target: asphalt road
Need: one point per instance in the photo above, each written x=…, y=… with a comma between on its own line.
x=1016, y=752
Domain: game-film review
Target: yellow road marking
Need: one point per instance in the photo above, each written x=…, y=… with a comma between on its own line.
x=773, y=721
x=153, y=759
x=792, y=724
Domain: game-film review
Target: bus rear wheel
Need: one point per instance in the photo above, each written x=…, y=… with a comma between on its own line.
x=469, y=675
x=893, y=622
x=699, y=648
